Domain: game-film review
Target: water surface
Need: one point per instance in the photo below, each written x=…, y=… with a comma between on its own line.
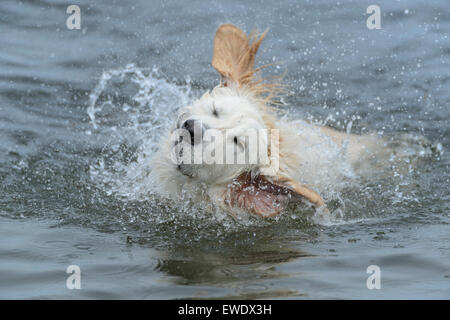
x=81, y=112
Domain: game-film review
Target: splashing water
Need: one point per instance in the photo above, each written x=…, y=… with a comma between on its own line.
x=131, y=108
x=133, y=127
x=142, y=119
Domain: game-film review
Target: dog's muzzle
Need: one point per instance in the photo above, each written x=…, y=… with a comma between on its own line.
x=190, y=133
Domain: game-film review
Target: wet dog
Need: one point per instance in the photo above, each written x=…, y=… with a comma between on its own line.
x=229, y=150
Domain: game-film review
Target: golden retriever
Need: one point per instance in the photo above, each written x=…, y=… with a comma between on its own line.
x=280, y=161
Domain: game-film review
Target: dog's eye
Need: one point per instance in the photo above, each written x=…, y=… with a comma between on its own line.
x=235, y=140
x=214, y=112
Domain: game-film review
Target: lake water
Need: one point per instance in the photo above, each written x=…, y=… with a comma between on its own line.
x=81, y=113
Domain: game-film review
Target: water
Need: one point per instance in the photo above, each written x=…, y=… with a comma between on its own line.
x=81, y=113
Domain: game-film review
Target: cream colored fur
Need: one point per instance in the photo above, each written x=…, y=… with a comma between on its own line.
x=312, y=159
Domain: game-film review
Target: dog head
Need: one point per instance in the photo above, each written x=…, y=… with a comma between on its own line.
x=220, y=136
x=228, y=140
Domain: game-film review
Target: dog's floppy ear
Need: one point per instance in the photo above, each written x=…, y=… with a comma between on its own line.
x=234, y=54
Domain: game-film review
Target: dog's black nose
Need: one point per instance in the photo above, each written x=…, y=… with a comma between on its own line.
x=194, y=130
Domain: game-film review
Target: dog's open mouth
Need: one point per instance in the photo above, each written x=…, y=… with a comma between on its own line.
x=267, y=196
x=257, y=195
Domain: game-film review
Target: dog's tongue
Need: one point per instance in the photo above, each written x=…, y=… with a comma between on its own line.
x=258, y=196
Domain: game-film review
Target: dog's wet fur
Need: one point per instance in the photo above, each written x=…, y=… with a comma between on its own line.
x=309, y=157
